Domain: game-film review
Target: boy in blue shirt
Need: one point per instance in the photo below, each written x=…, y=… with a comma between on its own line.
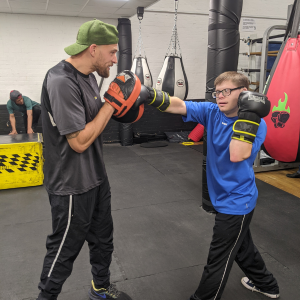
x=30, y=110
x=235, y=132
x=232, y=189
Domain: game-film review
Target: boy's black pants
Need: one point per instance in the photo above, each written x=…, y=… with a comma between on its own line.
x=76, y=219
x=231, y=242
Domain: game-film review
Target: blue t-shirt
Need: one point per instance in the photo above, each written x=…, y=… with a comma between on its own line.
x=231, y=185
x=28, y=105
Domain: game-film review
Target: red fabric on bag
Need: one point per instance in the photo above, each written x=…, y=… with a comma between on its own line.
x=283, y=121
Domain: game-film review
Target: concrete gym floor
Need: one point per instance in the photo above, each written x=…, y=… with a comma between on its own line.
x=161, y=234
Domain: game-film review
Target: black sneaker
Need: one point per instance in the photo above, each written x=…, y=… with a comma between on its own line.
x=109, y=293
x=294, y=175
x=247, y=283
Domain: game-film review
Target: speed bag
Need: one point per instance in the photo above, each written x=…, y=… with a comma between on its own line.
x=172, y=78
x=141, y=69
x=283, y=121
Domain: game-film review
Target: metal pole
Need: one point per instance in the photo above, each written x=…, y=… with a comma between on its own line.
x=264, y=55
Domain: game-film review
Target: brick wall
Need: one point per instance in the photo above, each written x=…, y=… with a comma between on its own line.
x=32, y=44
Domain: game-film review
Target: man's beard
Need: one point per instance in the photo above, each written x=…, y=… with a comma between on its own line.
x=102, y=71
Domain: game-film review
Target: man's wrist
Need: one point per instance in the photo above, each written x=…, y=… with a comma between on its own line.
x=109, y=107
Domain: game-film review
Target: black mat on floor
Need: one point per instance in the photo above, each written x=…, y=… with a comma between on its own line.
x=161, y=235
x=154, y=144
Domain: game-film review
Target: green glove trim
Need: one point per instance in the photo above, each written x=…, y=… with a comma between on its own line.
x=154, y=90
x=161, y=99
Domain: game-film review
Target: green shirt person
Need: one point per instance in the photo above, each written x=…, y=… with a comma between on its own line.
x=30, y=110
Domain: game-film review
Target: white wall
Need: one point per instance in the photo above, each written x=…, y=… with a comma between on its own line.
x=31, y=44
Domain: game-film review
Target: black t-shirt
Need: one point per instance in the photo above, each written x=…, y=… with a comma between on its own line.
x=69, y=101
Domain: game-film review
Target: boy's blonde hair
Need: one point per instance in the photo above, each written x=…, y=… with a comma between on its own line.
x=236, y=78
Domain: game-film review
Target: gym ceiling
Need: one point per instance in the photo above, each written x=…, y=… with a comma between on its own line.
x=108, y=9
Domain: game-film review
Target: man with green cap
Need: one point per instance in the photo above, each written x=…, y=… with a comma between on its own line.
x=73, y=118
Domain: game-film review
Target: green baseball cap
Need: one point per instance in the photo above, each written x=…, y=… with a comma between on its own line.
x=93, y=32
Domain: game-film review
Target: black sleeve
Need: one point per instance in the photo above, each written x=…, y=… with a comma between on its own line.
x=66, y=104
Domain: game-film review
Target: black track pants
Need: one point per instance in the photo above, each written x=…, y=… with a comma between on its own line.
x=76, y=219
x=231, y=242
x=36, y=112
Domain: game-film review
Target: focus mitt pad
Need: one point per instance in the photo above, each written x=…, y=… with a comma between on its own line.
x=123, y=92
x=133, y=115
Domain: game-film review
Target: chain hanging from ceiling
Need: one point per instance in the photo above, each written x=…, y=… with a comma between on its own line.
x=174, y=46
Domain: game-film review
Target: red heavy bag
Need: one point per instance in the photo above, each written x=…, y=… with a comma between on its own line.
x=282, y=89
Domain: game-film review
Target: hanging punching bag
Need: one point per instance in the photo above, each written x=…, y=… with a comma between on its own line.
x=283, y=121
x=140, y=65
x=141, y=69
x=172, y=78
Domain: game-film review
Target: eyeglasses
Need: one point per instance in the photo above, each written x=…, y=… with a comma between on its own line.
x=225, y=92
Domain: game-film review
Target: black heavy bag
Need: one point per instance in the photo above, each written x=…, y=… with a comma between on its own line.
x=206, y=202
x=124, y=63
x=223, y=40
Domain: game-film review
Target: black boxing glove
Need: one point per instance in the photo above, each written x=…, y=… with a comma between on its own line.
x=252, y=107
x=153, y=97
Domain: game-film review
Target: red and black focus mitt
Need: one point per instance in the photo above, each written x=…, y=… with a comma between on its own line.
x=122, y=95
